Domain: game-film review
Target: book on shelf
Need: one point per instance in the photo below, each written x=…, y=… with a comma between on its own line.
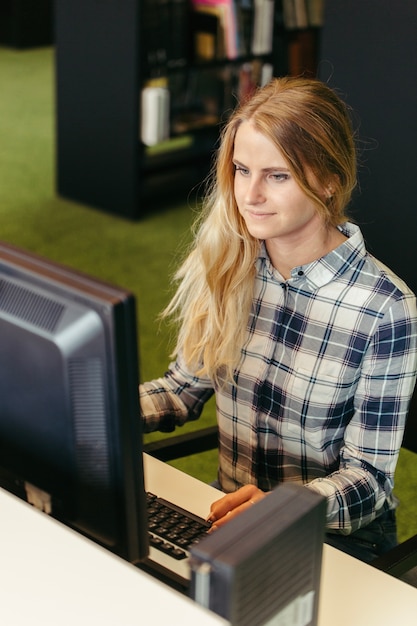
x=166, y=35
x=154, y=55
x=175, y=102
x=178, y=33
x=208, y=33
x=301, y=14
x=224, y=12
x=240, y=28
x=263, y=28
x=244, y=21
x=315, y=12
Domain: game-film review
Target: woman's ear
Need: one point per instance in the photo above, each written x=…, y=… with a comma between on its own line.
x=329, y=191
x=331, y=187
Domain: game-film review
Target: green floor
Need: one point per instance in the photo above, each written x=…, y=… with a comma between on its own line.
x=138, y=255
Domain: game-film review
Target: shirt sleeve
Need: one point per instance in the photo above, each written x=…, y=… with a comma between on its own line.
x=362, y=486
x=170, y=401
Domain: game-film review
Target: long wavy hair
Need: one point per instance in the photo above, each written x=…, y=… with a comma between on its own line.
x=311, y=126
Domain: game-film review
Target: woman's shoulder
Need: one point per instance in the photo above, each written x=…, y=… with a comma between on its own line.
x=390, y=280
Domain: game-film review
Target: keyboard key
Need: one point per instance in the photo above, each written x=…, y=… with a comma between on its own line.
x=173, y=529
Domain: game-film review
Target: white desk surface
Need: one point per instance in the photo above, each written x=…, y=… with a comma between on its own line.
x=51, y=575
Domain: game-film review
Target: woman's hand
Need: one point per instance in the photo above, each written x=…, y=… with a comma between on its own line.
x=225, y=509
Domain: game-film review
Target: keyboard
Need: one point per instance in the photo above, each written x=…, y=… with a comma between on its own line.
x=173, y=530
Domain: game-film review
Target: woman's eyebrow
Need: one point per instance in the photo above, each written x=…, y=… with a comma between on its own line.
x=274, y=168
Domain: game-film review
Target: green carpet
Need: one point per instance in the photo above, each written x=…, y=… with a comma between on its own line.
x=138, y=255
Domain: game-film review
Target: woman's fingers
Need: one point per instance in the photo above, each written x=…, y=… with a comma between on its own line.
x=227, y=507
x=227, y=503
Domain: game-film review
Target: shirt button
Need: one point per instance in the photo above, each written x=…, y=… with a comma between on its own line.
x=301, y=273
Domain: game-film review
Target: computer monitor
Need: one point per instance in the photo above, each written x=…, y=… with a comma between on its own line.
x=70, y=433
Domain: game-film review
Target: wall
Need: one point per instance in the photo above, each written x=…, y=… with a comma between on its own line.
x=369, y=54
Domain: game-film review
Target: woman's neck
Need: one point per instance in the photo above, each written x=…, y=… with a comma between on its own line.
x=287, y=254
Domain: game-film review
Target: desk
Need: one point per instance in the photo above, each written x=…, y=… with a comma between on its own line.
x=352, y=592
x=50, y=574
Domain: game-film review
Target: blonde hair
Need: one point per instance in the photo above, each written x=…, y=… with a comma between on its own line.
x=310, y=125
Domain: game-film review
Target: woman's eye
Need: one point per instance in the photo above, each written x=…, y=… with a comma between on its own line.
x=280, y=176
x=242, y=170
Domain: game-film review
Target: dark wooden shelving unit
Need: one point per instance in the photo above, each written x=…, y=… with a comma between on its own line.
x=101, y=67
x=26, y=23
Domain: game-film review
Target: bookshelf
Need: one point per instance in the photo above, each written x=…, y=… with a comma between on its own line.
x=107, y=54
x=25, y=23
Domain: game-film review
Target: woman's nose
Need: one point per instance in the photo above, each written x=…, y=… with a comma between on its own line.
x=254, y=192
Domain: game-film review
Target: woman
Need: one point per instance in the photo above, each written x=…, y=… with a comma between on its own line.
x=308, y=342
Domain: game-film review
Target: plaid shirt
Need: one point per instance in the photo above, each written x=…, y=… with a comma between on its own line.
x=321, y=392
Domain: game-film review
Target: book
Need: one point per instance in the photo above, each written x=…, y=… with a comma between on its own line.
x=209, y=35
x=315, y=12
x=300, y=14
x=263, y=28
x=244, y=24
x=225, y=11
x=165, y=32
x=178, y=33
